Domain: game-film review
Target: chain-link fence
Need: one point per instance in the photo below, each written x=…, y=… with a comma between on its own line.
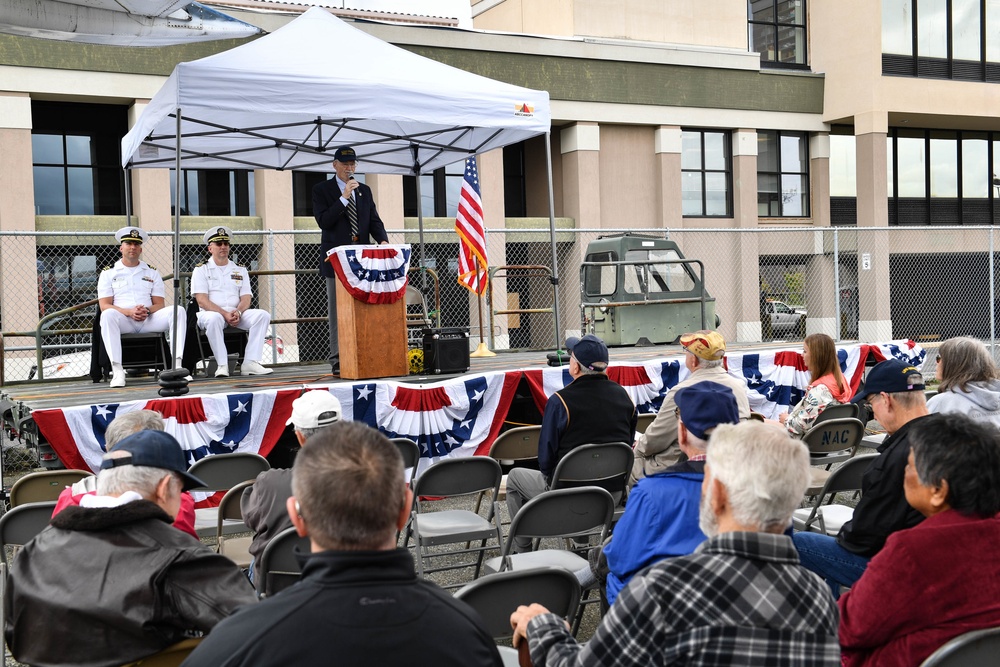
x=922, y=283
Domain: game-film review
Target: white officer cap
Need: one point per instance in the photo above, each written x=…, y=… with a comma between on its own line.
x=131, y=234
x=220, y=233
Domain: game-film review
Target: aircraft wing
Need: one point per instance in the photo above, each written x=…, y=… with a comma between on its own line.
x=120, y=22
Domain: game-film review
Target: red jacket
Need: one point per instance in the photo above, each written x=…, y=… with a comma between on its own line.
x=184, y=520
x=929, y=583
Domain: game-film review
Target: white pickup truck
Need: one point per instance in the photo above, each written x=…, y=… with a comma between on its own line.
x=785, y=320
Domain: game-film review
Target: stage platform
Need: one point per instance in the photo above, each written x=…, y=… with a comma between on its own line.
x=448, y=415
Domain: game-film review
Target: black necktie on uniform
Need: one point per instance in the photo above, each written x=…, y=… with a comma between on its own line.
x=352, y=216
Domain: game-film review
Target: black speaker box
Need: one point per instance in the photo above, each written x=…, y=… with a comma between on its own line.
x=446, y=350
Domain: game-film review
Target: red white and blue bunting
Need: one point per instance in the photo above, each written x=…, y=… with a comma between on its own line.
x=372, y=274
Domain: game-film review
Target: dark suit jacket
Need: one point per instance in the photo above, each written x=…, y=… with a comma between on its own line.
x=331, y=216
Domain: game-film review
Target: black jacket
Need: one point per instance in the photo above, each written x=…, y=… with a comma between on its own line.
x=331, y=216
x=352, y=609
x=103, y=587
x=882, y=509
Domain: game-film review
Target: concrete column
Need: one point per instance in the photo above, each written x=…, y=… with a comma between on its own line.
x=19, y=295
x=580, y=145
x=874, y=317
x=273, y=191
x=820, y=295
x=387, y=189
x=667, y=146
x=490, y=166
x=747, y=293
x=819, y=177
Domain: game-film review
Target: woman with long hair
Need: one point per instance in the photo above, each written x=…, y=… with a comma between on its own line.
x=969, y=381
x=827, y=384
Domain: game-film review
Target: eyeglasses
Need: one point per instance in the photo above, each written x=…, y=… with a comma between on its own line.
x=870, y=400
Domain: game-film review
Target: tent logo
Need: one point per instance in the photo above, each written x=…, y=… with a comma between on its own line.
x=524, y=109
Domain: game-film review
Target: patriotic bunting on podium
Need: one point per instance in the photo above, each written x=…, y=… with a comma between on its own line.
x=372, y=274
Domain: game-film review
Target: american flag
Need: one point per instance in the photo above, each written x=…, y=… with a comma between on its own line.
x=471, y=233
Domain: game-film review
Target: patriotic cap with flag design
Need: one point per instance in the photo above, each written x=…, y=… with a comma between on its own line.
x=705, y=344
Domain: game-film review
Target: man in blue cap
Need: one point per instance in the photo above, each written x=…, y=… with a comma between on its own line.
x=591, y=409
x=894, y=390
x=345, y=210
x=661, y=518
x=125, y=583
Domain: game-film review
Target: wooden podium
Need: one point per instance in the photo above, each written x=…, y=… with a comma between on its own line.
x=372, y=337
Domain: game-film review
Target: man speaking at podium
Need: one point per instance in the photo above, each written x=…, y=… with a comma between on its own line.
x=345, y=211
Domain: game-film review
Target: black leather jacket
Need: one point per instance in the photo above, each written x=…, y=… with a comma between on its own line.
x=103, y=587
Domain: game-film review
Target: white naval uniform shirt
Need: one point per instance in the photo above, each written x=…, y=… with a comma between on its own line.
x=224, y=285
x=130, y=285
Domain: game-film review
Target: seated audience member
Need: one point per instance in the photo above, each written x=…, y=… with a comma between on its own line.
x=827, y=385
x=937, y=580
x=121, y=427
x=740, y=599
x=969, y=381
x=110, y=582
x=704, y=354
x=895, y=393
x=263, y=504
x=592, y=408
x=359, y=602
x=661, y=517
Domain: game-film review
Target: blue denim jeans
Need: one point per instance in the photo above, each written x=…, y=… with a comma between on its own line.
x=822, y=555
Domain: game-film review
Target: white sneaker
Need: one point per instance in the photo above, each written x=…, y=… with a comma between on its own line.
x=254, y=368
x=117, y=378
x=222, y=371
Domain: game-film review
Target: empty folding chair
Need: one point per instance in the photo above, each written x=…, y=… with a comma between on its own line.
x=450, y=478
x=279, y=566
x=222, y=472
x=236, y=549
x=39, y=487
x=828, y=518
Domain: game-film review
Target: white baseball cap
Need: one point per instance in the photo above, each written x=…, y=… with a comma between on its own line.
x=315, y=409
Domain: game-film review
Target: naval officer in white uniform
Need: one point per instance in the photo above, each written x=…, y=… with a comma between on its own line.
x=131, y=294
x=222, y=290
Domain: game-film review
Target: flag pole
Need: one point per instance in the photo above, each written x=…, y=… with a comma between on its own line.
x=482, y=350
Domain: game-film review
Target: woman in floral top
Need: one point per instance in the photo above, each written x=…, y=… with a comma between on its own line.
x=826, y=386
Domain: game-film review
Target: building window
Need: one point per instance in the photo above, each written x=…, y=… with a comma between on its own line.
x=942, y=39
x=777, y=31
x=223, y=192
x=439, y=192
x=782, y=174
x=75, y=154
x=943, y=177
x=706, y=174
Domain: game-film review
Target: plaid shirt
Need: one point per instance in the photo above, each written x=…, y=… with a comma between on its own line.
x=741, y=599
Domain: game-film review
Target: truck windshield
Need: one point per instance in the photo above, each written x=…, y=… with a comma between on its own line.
x=651, y=278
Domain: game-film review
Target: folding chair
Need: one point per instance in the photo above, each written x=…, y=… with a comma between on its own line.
x=236, y=549
x=495, y=596
x=513, y=448
x=410, y=451
x=279, y=566
x=978, y=648
x=18, y=526
x=563, y=513
x=643, y=421
x=831, y=441
x=839, y=411
x=829, y=518
x=234, y=338
x=38, y=487
x=451, y=478
x=605, y=465
x=172, y=656
x=145, y=351
x=417, y=318
x=222, y=472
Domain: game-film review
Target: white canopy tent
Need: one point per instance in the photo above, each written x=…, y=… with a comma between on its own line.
x=289, y=99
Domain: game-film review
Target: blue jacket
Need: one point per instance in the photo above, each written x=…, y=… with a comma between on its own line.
x=660, y=521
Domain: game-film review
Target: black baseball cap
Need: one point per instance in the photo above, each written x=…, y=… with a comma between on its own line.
x=345, y=154
x=154, y=449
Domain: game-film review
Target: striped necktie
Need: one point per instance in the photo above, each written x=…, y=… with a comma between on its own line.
x=352, y=216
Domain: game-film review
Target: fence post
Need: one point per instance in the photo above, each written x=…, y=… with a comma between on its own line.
x=836, y=283
x=993, y=323
x=274, y=304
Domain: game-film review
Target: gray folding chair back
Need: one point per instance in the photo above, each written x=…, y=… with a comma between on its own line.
x=229, y=521
x=828, y=518
x=978, y=648
x=839, y=411
x=516, y=445
x=447, y=479
x=840, y=435
x=495, y=596
x=560, y=513
x=20, y=524
x=410, y=452
x=222, y=472
x=279, y=567
x=39, y=487
x=643, y=421
x=605, y=465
